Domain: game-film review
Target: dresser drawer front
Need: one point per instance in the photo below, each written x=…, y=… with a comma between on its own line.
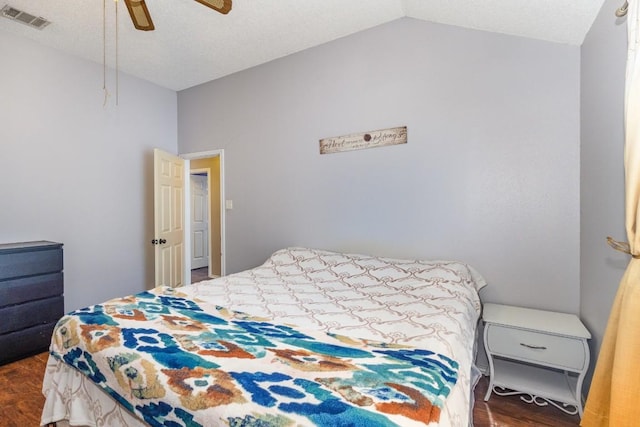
x=27, y=288
x=20, y=264
x=21, y=316
x=25, y=342
x=535, y=347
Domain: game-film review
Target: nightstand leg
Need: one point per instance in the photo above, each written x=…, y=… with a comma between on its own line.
x=489, y=390
x=490, y=359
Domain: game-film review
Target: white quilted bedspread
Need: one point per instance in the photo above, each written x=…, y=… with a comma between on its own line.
x=433, y=304
x=416, y=302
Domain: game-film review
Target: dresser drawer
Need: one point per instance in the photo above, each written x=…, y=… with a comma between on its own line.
x=17, y=291
x=536, y=347
x=22, y=316
x=25, y=342
x=18, y=264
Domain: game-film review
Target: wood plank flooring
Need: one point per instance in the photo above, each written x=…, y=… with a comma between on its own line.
x=21, y=398
x=21, y=401
x=507, y=411
x=199, y=274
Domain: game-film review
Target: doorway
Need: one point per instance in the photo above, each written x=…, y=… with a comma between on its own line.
x=200, y=220
x=205, y=204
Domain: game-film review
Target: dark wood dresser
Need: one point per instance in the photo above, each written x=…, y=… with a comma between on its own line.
x=31, y=297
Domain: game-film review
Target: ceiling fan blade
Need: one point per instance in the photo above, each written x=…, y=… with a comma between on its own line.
x=222, y=6
x=140, y=15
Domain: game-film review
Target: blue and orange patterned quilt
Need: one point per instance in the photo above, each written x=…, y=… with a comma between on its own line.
x=175, y=361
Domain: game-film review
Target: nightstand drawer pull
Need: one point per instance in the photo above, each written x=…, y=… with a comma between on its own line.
x=535, y=347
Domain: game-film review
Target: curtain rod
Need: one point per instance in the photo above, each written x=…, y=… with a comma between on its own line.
x=622, y=10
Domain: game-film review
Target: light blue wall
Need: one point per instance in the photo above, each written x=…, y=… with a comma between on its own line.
x=604, y=54
x=490, y=173
x=487, y=176
x=77, y=172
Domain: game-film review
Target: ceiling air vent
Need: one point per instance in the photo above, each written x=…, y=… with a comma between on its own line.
x=12, y=13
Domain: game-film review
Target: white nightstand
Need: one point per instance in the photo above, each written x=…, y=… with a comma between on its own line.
x=541, y=354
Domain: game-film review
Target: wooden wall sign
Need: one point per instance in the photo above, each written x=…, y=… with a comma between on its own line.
x=360, y=141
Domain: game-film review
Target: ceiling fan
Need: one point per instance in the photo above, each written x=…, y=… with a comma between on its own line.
x=142, y=19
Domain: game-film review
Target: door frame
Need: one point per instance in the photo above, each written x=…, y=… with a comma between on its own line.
x=187, y=206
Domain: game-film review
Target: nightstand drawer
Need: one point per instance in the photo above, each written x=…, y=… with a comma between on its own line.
x=536, y=347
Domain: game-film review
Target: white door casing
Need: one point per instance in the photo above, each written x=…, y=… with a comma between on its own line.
x=201, y=155
x=199, y=221
x=169, y=184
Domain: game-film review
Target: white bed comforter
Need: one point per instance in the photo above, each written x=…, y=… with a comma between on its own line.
x=434, y=304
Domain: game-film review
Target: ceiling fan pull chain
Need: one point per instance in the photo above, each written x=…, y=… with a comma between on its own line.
x=104, y=52
x=117, y=66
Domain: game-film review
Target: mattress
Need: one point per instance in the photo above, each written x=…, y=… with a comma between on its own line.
x=383, y=310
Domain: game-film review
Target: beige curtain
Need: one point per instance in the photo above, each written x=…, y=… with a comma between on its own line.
x=614, y=397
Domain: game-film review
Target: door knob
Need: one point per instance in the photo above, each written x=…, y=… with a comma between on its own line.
x=163, y=241
x=154, y=241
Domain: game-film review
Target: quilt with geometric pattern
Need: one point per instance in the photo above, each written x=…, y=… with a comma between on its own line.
x=173, y=364
x=310, y=337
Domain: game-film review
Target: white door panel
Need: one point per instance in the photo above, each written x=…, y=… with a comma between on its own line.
x=169, y=218
x=199, y=221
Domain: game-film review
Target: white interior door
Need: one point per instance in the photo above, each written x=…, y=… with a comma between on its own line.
x=168, y=218
x=199, y=221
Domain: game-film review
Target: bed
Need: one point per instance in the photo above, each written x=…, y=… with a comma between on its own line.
x=310, y=337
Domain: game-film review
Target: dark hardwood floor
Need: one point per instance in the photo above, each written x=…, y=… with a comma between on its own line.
x=21, y=401
x=506, y=411
x=199, y=274
x=21, y=398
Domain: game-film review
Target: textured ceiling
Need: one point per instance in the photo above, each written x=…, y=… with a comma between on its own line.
x=193, y=44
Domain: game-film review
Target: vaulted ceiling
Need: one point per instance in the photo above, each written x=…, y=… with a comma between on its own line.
x=192, y=44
